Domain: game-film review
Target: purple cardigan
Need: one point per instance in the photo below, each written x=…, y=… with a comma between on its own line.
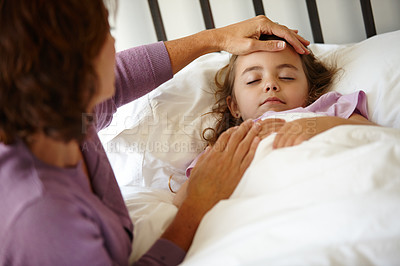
x=49, y=216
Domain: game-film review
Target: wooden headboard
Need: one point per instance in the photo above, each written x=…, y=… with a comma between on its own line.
x=312, y=9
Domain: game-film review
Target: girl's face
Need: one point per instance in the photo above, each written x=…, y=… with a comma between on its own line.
x=105, y=67
x=268, y=81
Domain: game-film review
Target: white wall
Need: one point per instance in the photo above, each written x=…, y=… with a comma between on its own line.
x=341, y=20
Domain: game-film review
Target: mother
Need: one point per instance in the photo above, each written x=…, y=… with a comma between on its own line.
x=60, y=83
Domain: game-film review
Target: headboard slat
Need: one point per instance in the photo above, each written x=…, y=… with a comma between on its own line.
x=368, y=17
x=157, y=20
x=258, y=7
x=207, y=14
x=366, y=8
x=314, y=21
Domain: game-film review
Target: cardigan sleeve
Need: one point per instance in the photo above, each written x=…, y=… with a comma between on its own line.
x=138, y=71
x=163, y=252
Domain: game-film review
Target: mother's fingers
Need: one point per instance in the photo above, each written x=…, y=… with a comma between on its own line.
x=245, y=145
x=239, y=135
x=248, y=158
x=222, y=141
x=297, y=41
x=221, y=167
x=237, y=145
x=303, y=41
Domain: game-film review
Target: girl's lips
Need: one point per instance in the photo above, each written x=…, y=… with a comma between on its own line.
x=273, y=100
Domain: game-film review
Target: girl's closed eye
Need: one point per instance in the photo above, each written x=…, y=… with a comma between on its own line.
x=253, y=81
x=286, y=78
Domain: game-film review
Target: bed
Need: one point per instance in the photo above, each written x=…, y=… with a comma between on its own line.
x=333, y=200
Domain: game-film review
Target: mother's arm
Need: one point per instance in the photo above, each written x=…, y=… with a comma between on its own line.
x=138, y=71
x=239, y=38
x=215, y=176
x=141, y=69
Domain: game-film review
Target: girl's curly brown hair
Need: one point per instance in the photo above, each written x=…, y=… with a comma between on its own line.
x=47, y=75
x=319, y=77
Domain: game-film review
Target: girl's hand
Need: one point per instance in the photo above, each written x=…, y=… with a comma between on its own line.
x=297, y=131
x=270, y=125
x=242, y=37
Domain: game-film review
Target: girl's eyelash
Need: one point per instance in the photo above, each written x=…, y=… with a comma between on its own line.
x=251, y=82
x=256, y=80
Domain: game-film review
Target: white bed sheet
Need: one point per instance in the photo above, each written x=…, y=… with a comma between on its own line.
x=333, y=200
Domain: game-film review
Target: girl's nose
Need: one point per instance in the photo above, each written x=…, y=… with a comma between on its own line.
x=271, y=86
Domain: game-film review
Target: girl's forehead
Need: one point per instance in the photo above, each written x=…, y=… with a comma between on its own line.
x=287, y=54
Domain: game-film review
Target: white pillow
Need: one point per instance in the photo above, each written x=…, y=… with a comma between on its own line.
x=160, y=134
x=372, y=66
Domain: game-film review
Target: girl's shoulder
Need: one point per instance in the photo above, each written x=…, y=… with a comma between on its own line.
x=341, y=105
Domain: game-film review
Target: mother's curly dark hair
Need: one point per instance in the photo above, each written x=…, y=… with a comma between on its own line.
x=47, y=75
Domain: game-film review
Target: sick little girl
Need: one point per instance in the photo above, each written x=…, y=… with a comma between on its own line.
x=262, y=84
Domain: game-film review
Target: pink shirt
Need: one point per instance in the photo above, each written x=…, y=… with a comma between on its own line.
x=330, y=104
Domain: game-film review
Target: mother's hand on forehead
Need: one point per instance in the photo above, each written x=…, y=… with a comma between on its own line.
x=242, y=38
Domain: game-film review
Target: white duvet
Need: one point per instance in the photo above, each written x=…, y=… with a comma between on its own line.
x=333, y=200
